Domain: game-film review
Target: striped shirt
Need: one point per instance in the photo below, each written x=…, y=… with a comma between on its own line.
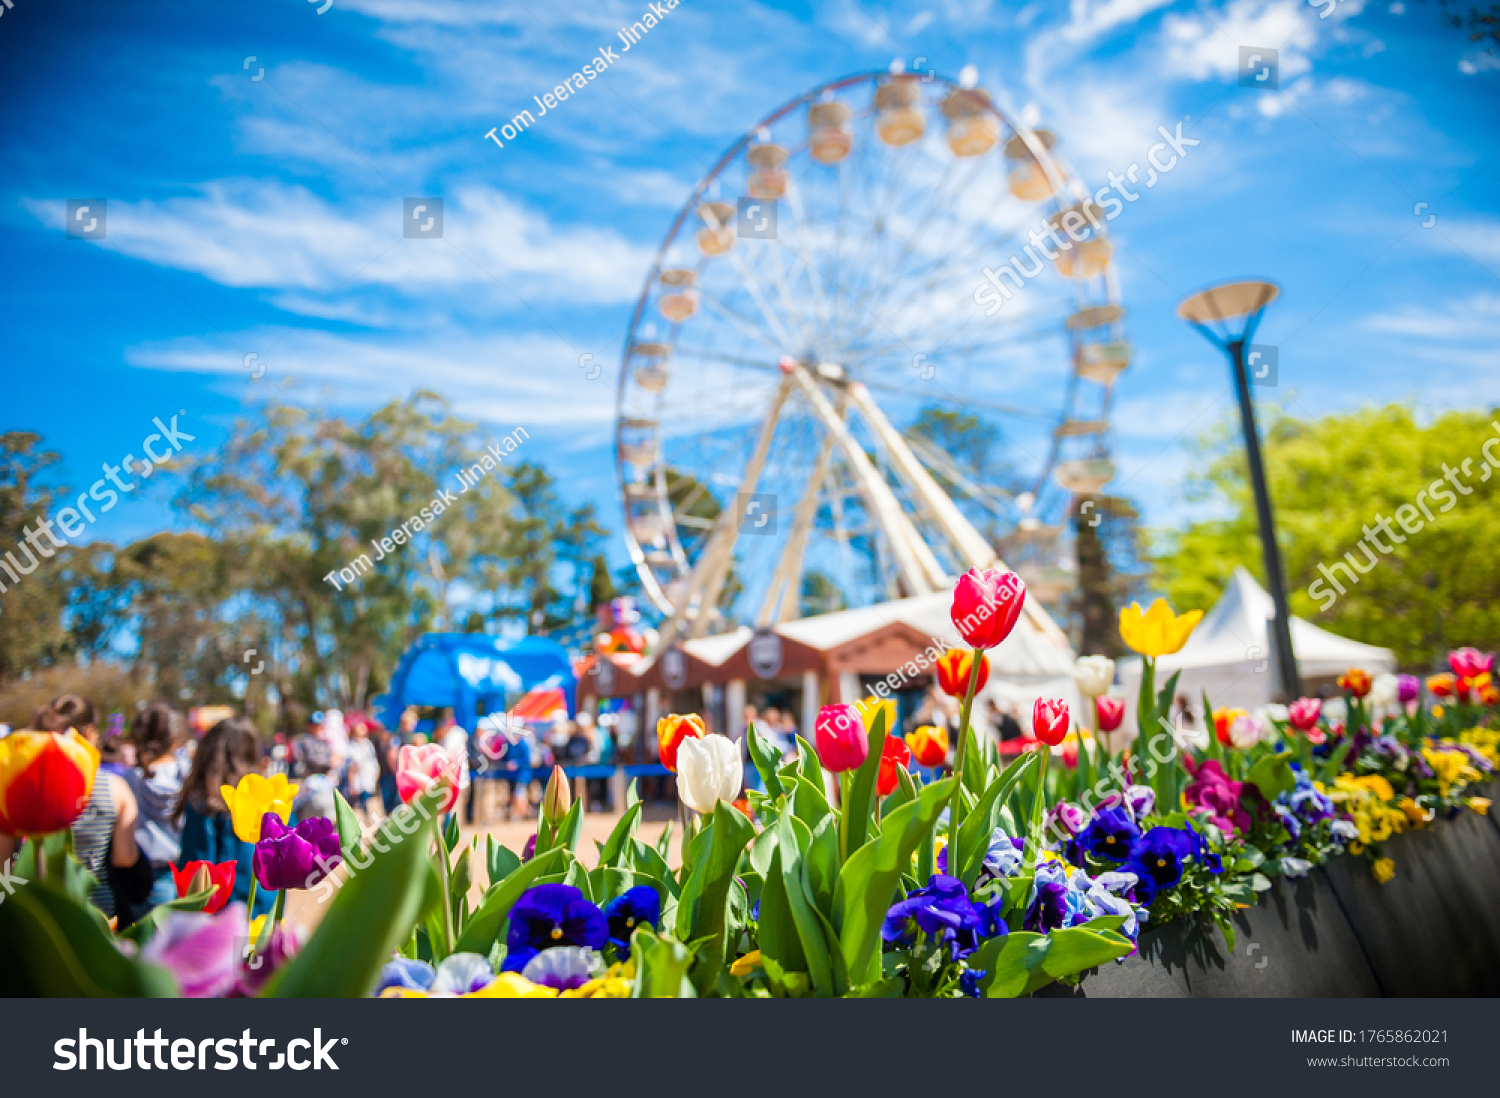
x=91, y=835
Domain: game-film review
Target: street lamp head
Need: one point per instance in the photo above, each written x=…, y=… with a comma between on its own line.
x=1228, y=301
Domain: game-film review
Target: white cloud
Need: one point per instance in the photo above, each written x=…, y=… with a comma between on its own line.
x=256, y=233
x=1200, y=47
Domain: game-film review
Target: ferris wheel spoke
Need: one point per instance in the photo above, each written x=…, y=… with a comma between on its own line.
x=743, y=323
x=754, y=289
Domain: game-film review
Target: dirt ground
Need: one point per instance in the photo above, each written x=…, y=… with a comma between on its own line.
x=303, y=908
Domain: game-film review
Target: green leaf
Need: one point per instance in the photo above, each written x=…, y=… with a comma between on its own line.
x=868, y=879
x=351, y=832
x=808, y=765
x=649, y=861
x=450, y=833
x=779, y=939
x=500, y=860
x=822, y=864
x=703, y=907
x=1079, y=948
x=974, y=833
x=143, y=929
x=973, y=764
x=809, y=803
x=904, y=793
x=620, y=839
x=793, y=841
x=52, y=945
x=372, y=914
x=664, y=842
x=860, y=807
x=766, y=759
x=1272, y=775
x=489, y=918
x=1334, y=764
x=64, y=871
x=1010, y=963
x=566, y=834
x=661, y=966
x=278, y=908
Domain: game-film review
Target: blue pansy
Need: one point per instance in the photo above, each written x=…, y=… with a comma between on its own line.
x=551, y=915
x=1109, y=836
x=635, y=907
x=942, y=911
x=407, y=973
x=1157, y=858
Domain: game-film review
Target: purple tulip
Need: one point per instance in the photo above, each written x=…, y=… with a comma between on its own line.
x=1408, y=687
x=201, y=951
x=286, y=940
x=295, y=857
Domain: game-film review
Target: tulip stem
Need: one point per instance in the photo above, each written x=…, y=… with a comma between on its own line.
x=1039, y=809
x=446, y=886
x=954, y=801
x=250, y=901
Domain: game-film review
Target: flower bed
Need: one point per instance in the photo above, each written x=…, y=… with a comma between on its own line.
x=841, y=875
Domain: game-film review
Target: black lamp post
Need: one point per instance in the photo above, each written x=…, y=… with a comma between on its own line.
x=1213, y=312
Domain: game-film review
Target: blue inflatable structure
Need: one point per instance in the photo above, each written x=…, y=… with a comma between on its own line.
x=475, y=673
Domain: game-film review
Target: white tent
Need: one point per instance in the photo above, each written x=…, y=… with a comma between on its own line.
x=1230, y=653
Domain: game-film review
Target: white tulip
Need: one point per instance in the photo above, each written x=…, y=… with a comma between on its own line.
x=1245, y=732
x=1383, y=691
x=1336, y=709
x=709, y=770
x=1093, y=675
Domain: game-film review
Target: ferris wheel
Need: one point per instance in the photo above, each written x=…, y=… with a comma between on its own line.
x=822, y=283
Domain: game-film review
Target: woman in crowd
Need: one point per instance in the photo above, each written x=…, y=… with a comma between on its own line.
x=225, y=755
x=158, y=732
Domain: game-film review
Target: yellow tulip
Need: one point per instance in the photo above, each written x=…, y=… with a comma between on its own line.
x=1157, y=631
x=869, y=707
x=253, y=798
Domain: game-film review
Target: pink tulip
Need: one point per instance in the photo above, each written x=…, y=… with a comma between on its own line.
x=986, y=605
x=425, y=767
x=1111, y=712
x=842, y=741
x=1303, y=713
x=1468, y=663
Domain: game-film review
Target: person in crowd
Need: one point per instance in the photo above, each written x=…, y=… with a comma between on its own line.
x=315, y=781
x=362, y=771
x=157, y=733
x=387, y=746
x=1002, y=719
x=116, y=754
x=227, y=752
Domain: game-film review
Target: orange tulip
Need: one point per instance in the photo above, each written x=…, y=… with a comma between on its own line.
x=45, y=781
x=671, y=730
x=1357, y=681
x=954, y=667
x=1441, y=686
x=929, y=745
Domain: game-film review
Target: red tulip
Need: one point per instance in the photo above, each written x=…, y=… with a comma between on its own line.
x=1303, y=713
x=896, y=754
x=1470, y=663
x=196, y=876
x=986, y=605
x=1050, y=720
x=842, y=741
x=1111, y=712
x=45, y=781
x=420, y=768
x=1357, y=681
x=953, y=669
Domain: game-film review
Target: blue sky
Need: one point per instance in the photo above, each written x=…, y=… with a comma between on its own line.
x=263, y=216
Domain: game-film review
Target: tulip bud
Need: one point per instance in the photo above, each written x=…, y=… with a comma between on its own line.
x=202, y=880
x=1111, y=712
x=986, y=605
x=1050, y=720
x=558, y=798
x=842, y=741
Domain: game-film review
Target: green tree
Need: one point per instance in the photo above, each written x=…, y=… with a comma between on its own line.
x=1333, y=480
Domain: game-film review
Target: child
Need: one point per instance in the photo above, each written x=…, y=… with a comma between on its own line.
x=158, y=731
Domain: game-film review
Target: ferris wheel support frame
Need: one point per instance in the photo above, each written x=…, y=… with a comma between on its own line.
x=706, y=581
x=919, y=567
x=781, y=597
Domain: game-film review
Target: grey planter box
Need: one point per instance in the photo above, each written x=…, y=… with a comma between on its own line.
x=1432, y=930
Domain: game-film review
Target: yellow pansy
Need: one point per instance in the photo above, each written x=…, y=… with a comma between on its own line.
x=1383, y=869
x=869, y=707
x=511, y=985
x=746, y=964
x=253, y=798
x=1157, y=631
x=614, y=984
x=1415, y=812
x=1377, y=785
x=1479, y=804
